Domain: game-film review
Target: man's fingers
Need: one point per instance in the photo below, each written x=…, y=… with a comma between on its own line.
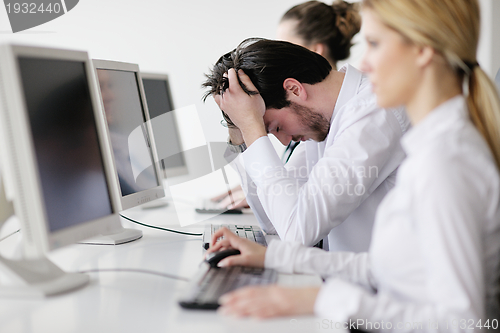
x=245, y=79
x=217, y=246
x=225, y=202
x=234, y=85
x=237, y=260
x=233, y=200
x=230, y=261
x=221, y=196
x=218, y=234
x=230, y=202
x=227, y=234
x=239, y=204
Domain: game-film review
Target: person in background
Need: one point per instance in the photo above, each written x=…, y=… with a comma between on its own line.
x=325, y=29
x=435, y=253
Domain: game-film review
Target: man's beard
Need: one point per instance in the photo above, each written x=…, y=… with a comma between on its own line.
x=314, y=121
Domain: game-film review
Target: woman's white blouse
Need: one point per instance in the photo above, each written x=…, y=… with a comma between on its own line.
x=435, y=253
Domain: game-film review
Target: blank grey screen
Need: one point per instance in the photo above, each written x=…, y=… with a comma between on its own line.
x=124, y=114
x=160, y=102
x=65, y=140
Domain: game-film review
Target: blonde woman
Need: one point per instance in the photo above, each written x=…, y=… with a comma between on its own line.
x=433, y=264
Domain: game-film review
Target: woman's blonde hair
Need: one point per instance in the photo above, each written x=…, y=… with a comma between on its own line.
x=451, y=27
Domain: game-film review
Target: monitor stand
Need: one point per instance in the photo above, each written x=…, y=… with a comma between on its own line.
x=33, y=278
x=37, y=278
x=116, y=237
x=157, y=203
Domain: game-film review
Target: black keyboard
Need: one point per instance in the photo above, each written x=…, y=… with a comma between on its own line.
x=207, y=206
x=209, y=284
x=251, y=232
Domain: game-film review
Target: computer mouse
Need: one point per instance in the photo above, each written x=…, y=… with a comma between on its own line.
x=213, y=258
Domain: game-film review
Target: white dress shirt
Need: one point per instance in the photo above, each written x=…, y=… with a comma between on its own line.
x=435, y=252
x=330, y=188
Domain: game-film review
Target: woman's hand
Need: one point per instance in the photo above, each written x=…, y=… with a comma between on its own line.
x=269, y=301
x=252, y=254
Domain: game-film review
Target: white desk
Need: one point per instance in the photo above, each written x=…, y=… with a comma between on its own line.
x=135, y=302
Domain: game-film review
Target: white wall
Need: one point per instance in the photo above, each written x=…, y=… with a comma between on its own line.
x=180, y=38
x=184, y=39
x=489, y=44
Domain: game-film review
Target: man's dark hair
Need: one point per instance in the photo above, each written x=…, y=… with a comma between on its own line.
x=268, y=63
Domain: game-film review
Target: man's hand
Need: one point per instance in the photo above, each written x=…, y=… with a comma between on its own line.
x=245, y=111
x=252, y=254
x=233, y=199
x=222, y=196
x=270, y=301
x=235, y=136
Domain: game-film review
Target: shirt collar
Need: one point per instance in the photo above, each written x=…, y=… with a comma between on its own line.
x=350, y=87
x=436, y=122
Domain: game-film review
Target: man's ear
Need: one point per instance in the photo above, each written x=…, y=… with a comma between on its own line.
x=294, y=90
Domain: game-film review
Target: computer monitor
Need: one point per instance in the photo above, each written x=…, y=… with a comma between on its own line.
x=159, y=99
x=129, y=133
x=54, y=161
x=6, y=208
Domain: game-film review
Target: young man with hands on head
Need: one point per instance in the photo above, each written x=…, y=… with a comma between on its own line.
x=332, y=188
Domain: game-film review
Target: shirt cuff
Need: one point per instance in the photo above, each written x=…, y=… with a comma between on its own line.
x=338, y=300
x=280, y=255
x=260, y=159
